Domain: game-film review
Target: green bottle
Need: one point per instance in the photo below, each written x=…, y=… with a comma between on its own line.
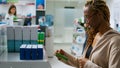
x=80, y=22
x=42, y=36
x=15, y=18
x=62, y=56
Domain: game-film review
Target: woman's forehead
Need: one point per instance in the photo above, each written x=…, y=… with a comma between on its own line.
x=85, y=9
x=88, y=10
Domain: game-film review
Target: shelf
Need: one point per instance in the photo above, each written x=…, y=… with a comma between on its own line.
x=23, y=17
x=12, y=60
x=3, y=38
x=25, y=4
x=15, y=57
x=22, y=4
x=40, y=9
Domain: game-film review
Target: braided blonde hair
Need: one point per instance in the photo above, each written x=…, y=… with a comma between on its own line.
x=102, y=16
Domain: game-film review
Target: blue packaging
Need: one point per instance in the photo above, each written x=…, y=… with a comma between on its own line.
x=22, y=51
x=40, y=51
x=34, y=52
x=28, y=52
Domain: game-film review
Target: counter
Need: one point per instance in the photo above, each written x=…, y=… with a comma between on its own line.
x=12, y=60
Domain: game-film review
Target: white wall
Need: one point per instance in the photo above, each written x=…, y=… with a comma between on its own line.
x=56, y=8
x=115, y=13
x=3, y=9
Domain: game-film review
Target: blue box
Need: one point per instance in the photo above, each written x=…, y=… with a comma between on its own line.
x=22, y=51
x=28, y=52
x=34, y=52
x=18, y=43
x=40, y=51
x=11, y=45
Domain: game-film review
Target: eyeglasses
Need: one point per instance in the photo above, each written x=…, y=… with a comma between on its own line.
x=88, y=17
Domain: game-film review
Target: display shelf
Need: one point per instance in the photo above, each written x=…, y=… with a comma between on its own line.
x=78, y=38
x=3, y=38
x=18, y=2
x=39, y=14
x=21, y=4
x=12, y=60
x=40, y=9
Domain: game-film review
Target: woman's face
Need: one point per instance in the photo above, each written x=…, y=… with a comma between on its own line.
x=91, y=18
x=88, y=17
x=85, y=16
x=13, y=10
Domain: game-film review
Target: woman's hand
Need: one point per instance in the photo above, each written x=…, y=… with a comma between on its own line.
x=60, y=52
x=57, y=51
x=82, y=62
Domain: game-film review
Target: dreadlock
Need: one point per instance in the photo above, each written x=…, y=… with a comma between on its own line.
x=101, y=14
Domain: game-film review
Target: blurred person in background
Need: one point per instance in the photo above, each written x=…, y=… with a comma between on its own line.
x=11, y=15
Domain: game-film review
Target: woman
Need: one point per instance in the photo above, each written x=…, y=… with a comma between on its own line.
x=11, y=15
x=103, y=43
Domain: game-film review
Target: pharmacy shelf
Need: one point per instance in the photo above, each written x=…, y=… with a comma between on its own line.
x=3, y=38
x=12, y=60
x=40, y=9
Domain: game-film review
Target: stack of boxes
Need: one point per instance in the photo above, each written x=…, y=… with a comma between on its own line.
x=28, y=52
x=18, y=38
x=3, y=38
x=18, y=35
x=22, y=51
x=40, y=51
x=31, y=52
x=10, y=38
x=34, y=34
x=34, y=53
x=0, y=42
x=26, y=35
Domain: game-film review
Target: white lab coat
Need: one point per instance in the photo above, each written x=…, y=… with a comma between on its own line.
x=9, y=19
